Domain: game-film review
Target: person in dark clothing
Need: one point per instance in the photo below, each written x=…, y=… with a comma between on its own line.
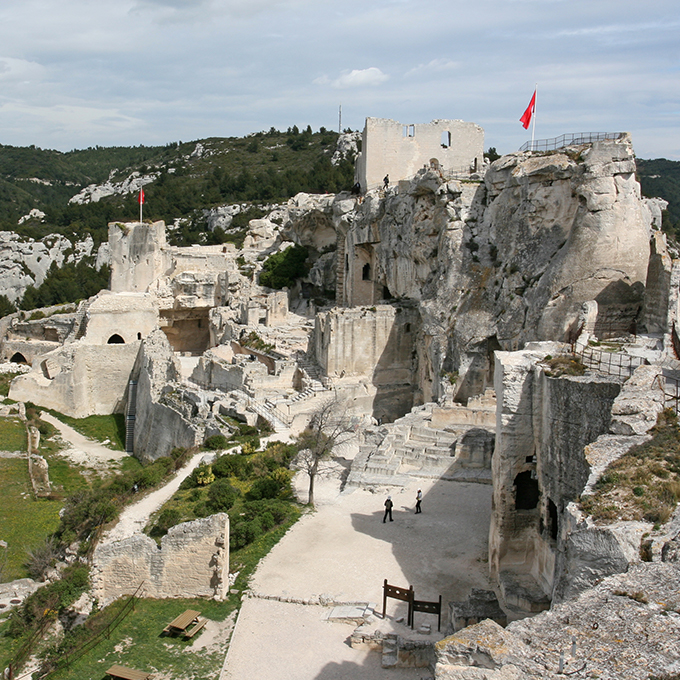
x=386, y=182
x=419, y=497
x=388, y=509
x=356, y=189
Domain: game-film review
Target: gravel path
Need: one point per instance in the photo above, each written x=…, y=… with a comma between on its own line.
x=81, y=450
x=89, y=453
x=342, y=551
x=136, y=516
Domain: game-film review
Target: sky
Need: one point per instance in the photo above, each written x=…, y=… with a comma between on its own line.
x=81, y=73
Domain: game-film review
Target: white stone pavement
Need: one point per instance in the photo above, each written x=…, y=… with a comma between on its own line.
x=343, y=551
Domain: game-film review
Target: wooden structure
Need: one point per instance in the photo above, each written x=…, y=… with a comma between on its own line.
x=397, y=593
x=187, y=624
x=125, y=673
x=428, y=608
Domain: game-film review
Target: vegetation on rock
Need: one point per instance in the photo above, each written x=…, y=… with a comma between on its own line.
x=644, y=484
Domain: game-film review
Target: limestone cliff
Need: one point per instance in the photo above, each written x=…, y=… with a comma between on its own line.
x=496, y=263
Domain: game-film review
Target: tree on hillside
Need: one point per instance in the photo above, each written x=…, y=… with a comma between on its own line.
x=328, y=429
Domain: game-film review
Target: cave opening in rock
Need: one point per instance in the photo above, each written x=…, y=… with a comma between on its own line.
x=526, y=491
x=115, y=339
x=18, y=358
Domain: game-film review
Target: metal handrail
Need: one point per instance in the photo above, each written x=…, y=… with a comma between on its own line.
x=569, y=139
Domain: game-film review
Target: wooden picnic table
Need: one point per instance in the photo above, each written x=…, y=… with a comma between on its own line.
x=125, y=673
x=181, y=624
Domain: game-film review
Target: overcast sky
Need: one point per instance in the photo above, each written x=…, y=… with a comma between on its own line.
x=77, y=73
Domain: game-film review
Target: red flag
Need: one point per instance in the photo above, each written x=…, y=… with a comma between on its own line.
x=140, y=200
x=526, y=116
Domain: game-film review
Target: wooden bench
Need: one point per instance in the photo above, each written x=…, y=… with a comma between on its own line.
x=188, y=634
x=182, y=622
x=127, y=673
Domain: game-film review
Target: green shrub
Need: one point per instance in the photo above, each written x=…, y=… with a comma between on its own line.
x=263, y=488
x=168, y=518
x=283, y=269
x=232, y=466
x=222, y=495
x=215, y=442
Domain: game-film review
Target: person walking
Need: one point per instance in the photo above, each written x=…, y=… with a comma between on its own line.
x=388, y=509
x=386, y=182
x=419, y=497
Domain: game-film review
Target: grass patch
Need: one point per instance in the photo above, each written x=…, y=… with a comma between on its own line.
x=24, y=521
x=99, y=428
x=5, y=380
x=138, y=642
x=12, y=434
x=564, y=365
x=644, y=484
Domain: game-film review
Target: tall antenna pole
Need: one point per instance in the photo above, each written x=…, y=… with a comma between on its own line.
x=533, y=123
x=340, y=119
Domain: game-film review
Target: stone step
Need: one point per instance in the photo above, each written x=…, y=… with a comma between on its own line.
x=390, y=651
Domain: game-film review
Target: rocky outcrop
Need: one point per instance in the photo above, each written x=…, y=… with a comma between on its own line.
x=496, y=263
x=192, y=561
x=623, y=629
x=93, y=193
x=158, y=426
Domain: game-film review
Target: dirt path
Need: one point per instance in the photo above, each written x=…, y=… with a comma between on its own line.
x=81, y=450
x=135, y=517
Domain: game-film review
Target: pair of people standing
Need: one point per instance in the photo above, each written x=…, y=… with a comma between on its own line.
x=389, y=505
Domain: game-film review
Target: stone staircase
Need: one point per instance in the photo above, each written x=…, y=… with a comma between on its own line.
x=130, y=416
x=410, y=448
x=79, y=323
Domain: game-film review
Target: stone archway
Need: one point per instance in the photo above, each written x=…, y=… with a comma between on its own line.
x=115, y=339
x=18, y=358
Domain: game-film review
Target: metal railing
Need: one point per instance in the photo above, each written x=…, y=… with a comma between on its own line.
x=611, y=363
x=569, y=139
x=71, y=657
x=671, y=391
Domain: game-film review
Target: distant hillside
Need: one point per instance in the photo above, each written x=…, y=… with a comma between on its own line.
x=184, y=178
x=661, y=177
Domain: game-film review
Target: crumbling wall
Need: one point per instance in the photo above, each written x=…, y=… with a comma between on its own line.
x=391, y=148
x=138, y=255
x=376, y=343
x=79, y=379
x=158, y=427
x=191, y=561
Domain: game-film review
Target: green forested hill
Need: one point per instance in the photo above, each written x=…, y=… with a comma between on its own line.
x=661, y=178
x=264, y=167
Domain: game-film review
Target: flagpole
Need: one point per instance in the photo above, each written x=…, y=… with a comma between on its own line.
x=140, y=210
x=533, y=123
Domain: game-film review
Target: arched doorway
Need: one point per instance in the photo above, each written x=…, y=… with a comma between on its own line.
x=115, y=339
x=18, y=358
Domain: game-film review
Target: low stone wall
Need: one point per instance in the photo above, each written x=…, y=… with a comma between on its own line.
x=192, y=561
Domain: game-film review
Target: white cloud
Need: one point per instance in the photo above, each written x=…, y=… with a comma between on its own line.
x=434, y=66
x=367, y=77
x=20, y=70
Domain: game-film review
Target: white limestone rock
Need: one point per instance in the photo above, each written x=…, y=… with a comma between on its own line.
x=131, y=184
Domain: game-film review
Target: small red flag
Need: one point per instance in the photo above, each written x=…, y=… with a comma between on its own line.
x=526, y=116
x=140, y=200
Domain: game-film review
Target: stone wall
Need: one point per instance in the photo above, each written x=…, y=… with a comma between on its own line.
x=129, y=316
x=372, y=342
x=192, y=561
x=158, y=427
x=389, y=147
x=79, y=379
x=138, y=255
x=539, y=465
